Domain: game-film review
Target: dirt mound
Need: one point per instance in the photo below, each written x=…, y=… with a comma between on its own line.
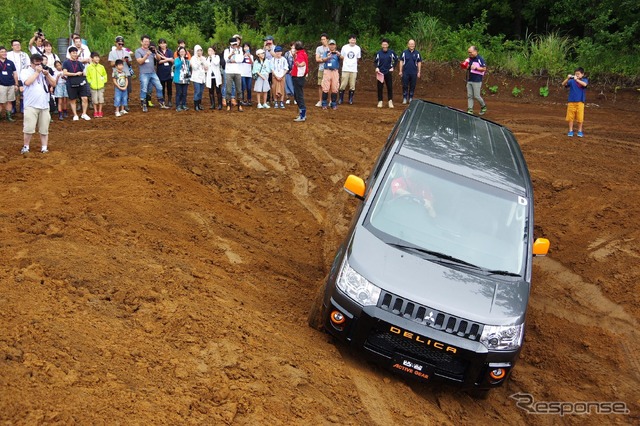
x=159, y=267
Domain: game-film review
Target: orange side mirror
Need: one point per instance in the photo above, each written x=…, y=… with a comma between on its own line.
x=354, y=186
x=541, y=247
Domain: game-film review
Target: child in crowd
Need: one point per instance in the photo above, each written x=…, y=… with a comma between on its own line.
x=261, y=71
x=280, y=68
x=60, y=91
x=576, y=83
x=121, y=83
x=97, y=78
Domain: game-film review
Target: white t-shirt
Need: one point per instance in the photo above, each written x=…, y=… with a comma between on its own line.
x=350, y=55
x=36, y=95
x=233, y=62
x=83, y=54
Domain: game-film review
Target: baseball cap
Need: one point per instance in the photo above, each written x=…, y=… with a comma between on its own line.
x=268, y=38
x=278, y=49
x=260, y=51
x=233, y=40
x=119, y=39
x=332, y=41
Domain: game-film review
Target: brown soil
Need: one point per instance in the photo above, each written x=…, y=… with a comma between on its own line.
x=158, y=268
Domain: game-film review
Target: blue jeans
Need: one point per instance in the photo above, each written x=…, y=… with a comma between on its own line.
x=120, y=98
x=181, y=94
x=246, y=86
x=198, y=88
x=152, y=78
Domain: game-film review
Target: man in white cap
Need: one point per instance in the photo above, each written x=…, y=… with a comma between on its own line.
x=233, y=57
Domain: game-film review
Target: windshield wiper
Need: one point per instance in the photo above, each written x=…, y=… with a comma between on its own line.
x=505, y=273
x=437, y=254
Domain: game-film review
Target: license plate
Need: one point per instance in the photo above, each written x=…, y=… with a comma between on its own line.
x=411, y=367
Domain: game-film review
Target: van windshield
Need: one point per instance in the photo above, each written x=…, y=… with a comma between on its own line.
x=438, y=211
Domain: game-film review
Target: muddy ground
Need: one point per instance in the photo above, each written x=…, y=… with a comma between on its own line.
x=158, y=268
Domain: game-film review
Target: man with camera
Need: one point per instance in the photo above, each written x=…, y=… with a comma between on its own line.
x=36, y=44
x=576, y=83
x=145, y=56
x=36, y=103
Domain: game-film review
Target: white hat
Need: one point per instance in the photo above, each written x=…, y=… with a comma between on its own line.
x=260, y=51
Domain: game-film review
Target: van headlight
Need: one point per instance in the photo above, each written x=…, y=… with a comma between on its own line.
x=356, y=286
x=502, y=337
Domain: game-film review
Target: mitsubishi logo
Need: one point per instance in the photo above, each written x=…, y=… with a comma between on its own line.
x=430, y=317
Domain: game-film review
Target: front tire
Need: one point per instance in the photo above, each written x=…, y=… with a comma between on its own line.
x=316, y=313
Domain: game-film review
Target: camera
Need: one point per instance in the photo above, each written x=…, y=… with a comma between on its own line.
x=40, y=33
x=152, y=49
x=571, y=76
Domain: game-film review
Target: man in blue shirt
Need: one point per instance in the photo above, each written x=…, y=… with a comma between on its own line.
x=385, y=61
x=577, y=83
x=410, y=66
x=8, y=83
x=476, y=67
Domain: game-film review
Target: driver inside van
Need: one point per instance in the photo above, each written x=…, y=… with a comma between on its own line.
x=411, y=184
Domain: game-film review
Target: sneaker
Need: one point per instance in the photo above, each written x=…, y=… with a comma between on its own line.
x=95, y=115
x=288, y=102
x=470, y=111
x=123, y=112
x=379, y=104
x=319, y=104
x=390, y=104
x=76, y=118
x=118, y=114
x=164, y=106
x=483, y=110
x=85, y=117
x=259, y=106
x=60, y=117
x=410, y=99
x=44, y=151
x=324, y=108
x=150, y=104
x=404, y=101
x=24, y=150
x=570, y=134
x=281, y=105
x=267, y=106
x=580, y=134
x=334, y=107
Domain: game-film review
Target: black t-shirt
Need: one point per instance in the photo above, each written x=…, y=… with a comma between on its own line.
x=74, y=67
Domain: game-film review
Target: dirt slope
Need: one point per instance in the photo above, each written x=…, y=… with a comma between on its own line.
x=158, y=268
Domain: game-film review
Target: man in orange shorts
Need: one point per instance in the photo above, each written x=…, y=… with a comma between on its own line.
x=577, y=83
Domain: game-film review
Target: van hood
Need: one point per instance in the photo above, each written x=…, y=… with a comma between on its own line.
x=451, y=289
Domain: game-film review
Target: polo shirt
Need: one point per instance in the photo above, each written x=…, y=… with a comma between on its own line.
x=7, y=68
x=410, y=61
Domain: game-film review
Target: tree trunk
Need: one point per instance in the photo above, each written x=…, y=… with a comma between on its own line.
x=76, y=13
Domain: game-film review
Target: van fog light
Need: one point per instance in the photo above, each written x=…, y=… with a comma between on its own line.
x=497, y=374
x=337, y=318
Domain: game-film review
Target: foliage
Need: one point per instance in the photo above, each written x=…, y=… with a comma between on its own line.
x=544, y=91
x=513, y=36
x=493, y=89
x=517, y=91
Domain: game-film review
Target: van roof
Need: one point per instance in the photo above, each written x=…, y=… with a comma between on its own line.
x=464, y=144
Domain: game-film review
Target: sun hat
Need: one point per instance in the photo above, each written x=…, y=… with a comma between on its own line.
x=260, y=52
